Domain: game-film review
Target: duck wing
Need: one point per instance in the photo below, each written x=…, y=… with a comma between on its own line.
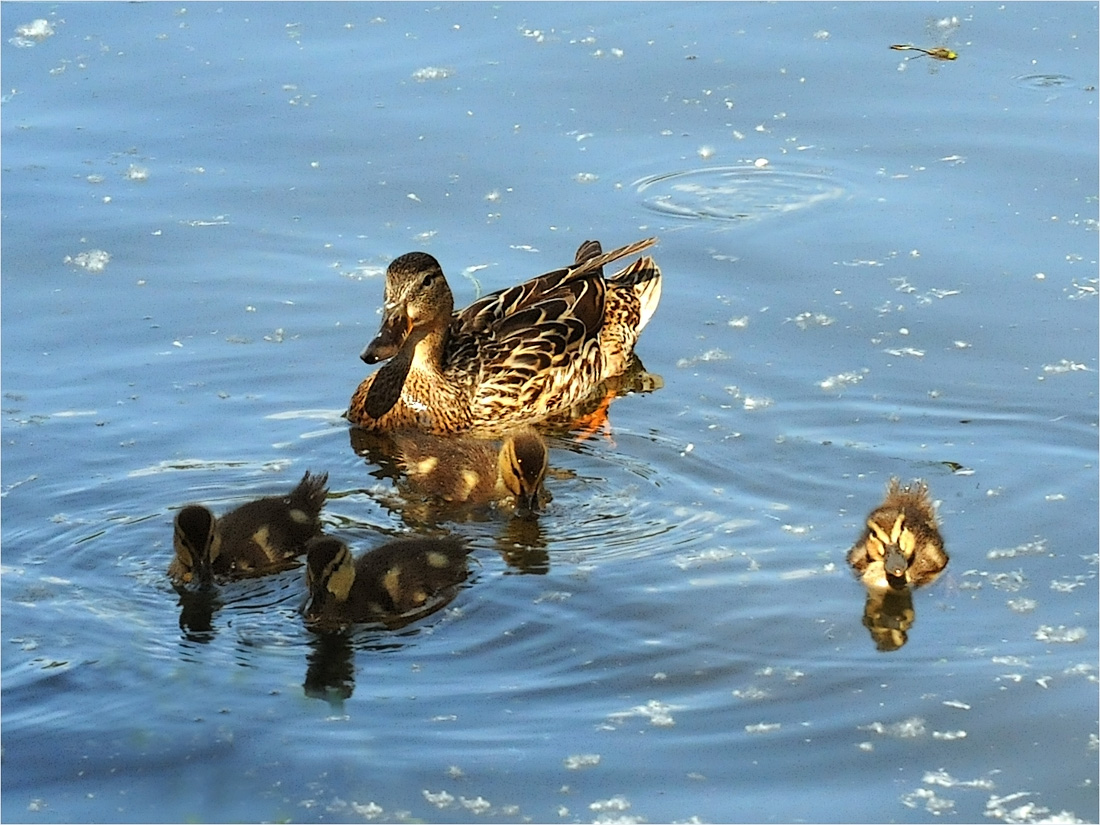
x=490, y=310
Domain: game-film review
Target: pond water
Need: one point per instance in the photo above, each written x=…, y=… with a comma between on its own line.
x=874, y=266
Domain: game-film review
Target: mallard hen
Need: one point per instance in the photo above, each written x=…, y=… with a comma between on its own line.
x=510, y=358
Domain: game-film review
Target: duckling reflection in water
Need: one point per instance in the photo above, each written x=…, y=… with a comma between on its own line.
x=258, y=537
x=394, y=584
x=471, y=470
x=888, y=614
x=901, y=545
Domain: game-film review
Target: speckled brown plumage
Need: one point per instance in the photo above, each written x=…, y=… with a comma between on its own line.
x=513, y=357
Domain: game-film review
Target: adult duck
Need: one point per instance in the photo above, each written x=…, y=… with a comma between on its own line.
x=510, y=358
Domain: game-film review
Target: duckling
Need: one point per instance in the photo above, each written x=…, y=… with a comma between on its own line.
x=901, y=544
x=385, y=584
x=258, y=537
x=474, y=470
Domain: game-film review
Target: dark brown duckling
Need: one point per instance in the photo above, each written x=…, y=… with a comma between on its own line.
x=901, y=545
x=386, y=584
x=258, y=537
x=463, y=469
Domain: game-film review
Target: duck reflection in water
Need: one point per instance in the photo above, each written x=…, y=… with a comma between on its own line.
x=330, y=668
x=888, y=614
x=900, y=549
x=197, y=608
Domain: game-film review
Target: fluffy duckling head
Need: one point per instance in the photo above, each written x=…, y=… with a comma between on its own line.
x=417, y=297
x=901, y=545
x=330, y=572
x=523, y=466
x=196, y=545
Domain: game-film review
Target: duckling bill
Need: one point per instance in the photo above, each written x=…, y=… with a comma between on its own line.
x=257, y=537
x=901, y=545
x=386, y=584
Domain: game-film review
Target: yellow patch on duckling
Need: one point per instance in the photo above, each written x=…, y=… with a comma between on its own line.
x=425, y=466
x=907, y=542
x=262, y=539
x=470, y=481
x=392, y=582
x=437, y=560
x=341, y=577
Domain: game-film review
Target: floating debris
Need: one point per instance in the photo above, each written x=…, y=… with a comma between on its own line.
x=934, y=804
x=94, y=260
x=431, y=73
x=1064, y=366
x=581, y=760
x=658, y=713
x=805, y=320
x=843, y=379
x=709, y=355
x=1060, y=634
x=763, y=727
x=28, y=34
x=910, y=728
x=938, y=53
x=1030, y=548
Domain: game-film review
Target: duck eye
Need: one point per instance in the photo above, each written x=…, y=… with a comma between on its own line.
x=428, y=279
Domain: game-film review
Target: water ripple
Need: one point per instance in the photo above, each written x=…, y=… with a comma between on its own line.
x=1042, y=82
x=736, y=193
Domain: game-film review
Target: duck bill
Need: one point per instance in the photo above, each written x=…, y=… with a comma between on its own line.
x=389, y=340
x=204, y=571
x=895, y=566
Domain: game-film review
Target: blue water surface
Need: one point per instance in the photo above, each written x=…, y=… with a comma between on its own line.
x=875, y=264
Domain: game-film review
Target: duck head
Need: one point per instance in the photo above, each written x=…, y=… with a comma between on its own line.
x=330, y=573
x=196, y=543
x=895, y=546
x=417, y=298
x=522, y=468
